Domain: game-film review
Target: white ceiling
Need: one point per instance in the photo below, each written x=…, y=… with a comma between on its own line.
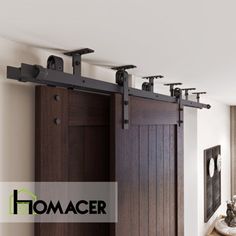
x=189, y=41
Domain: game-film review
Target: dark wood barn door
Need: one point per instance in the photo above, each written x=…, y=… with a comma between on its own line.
x=79, y=137
x=149, y=169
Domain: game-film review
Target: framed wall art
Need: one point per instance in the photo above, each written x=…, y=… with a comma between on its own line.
x=212, y=181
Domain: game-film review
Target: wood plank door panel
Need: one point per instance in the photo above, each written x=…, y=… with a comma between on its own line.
x=73, y=148
x=79, y=137
x=149, y=166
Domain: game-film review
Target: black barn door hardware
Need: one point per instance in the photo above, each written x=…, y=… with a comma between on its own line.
x=76, y=59
x=149, y=86
x=198, y=95
x=121, y=73
x=55, y=63
x=122, y=79
x=186, y=92
x=53, y=75
x=178, y=94
x=124, y=67
x=172, y=85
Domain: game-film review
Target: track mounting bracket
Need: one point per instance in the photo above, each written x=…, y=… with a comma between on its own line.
x=149, y=86
x=76, y=59
x=172, y=85
x=198, y=95
x=186, y=92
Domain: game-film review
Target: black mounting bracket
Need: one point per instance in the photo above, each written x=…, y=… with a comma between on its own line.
x=120, y=73
x=149, y=86
x=186, y=92
x=198, y=95
x=124, y=67
x=122, y=79
x=172, y=85
x=76, y=58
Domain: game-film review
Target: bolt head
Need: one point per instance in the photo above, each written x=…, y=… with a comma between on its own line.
x=126, y=121
x=57, y=97
x=57, y=121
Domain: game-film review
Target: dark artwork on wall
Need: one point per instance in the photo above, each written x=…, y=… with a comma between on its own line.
x=212, y=181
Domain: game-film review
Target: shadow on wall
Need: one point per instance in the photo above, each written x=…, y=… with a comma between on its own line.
x=17, y=124
x=17, y=132
x=10, y=229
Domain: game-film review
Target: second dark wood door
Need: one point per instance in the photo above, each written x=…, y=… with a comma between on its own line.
x=149, y=169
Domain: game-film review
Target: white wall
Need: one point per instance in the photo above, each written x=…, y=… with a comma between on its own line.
x=204, y=129
x=213, y=128
x=190, y=172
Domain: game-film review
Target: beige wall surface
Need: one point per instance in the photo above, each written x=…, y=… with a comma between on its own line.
x=16, y=125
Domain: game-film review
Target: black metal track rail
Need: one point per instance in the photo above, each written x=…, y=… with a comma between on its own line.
x=40, y=75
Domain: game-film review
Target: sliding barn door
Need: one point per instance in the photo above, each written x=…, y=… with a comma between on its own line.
x=149, y=169
x=79, y=137
x=72, y=144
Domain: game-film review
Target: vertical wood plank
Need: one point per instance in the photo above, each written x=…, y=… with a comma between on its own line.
x=76, y=153
x=180, y=181
x=96, y=154
x=166, y=177
x=152, y=180
x=144, y=180
x=51, y=145
x=160, y=180
x=172, y=181
x=133, y=157
x=112, y=132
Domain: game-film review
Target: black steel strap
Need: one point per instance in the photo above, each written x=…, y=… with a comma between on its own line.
x=126, y=101
x=178, y=95
x=122, y=79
